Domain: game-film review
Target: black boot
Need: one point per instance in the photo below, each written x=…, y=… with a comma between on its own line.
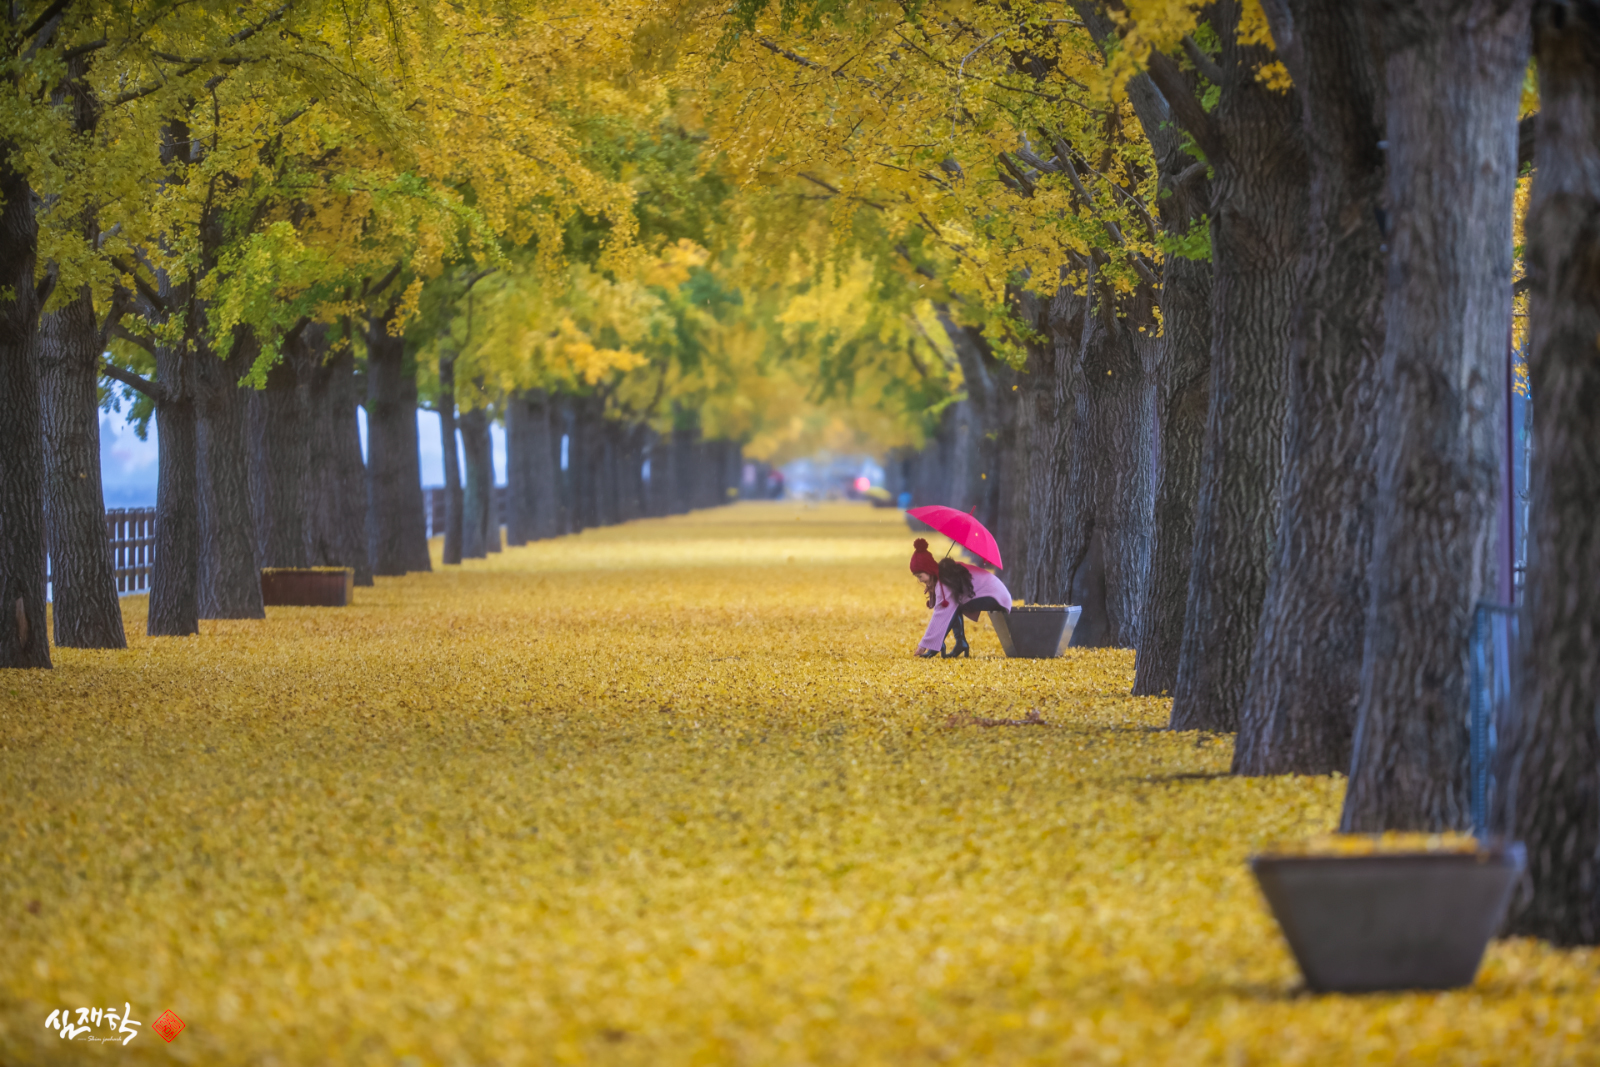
x=958, y=626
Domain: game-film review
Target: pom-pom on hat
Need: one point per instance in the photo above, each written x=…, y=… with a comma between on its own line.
x=922, y=561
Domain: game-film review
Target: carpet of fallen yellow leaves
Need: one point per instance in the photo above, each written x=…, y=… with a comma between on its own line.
x=674, y=792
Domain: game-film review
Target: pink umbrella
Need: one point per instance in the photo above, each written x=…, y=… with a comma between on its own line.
x=961, y=528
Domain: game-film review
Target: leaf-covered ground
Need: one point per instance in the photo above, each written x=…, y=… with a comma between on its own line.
x=667, y=793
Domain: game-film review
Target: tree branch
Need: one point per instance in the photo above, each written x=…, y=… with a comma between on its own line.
x=113, y=317
x=1024, y=182
x=46, y=286
x=44, y=19
x=146, y=290
x=387, y=280
x=811, y=64
x=1527, y=140
x=132, y=381
x=1203, y=63
x=1185, y=108
x=85, y=48
x=122, y=333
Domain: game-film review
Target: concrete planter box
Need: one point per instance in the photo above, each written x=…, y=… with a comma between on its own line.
x=1417, y=920
x=314, y=587
x=1032, y=632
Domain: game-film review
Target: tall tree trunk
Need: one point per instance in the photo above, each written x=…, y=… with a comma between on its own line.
x=656, y=492
x=1177, y=369
x=1554, y=784
x=543, y=470
x=174, y=609
x=85, y=611
x=1253, y=142
x=23, y=641
x=1111, y=513
x=1453, y=77
x=520, y=430
x=230, y=576
x=1181, y=373
x=452, y=461
x=336, y=505
x=682, y=471
x=560, y=448
x=478, y=501
x=397, y=539
x=1053, y=384
x=1015, y=418
x=1299, y=709
x=413, y=508
x=630, y=461
x=280, y=459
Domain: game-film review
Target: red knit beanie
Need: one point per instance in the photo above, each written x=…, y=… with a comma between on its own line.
x=922, y=561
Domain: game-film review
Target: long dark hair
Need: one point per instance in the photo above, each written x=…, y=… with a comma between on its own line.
x=956, y=578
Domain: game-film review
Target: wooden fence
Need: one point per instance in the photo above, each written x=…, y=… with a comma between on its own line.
x=132, y=532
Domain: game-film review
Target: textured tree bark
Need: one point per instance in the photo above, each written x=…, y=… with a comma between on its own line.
x=452, y=461
x=280, y=459
x=1299, y=708
x=174, y=609
x=1112, y=477
x=1182, y=379
x=397, y=539
x=1177, y=368
x=477, y=502
x=1453, y=78
x=230, y=575
x=1253, y=142
x=337, y=509
x=1554, y=780
x=84, y=609
x=1050, y=388
x=23, y=640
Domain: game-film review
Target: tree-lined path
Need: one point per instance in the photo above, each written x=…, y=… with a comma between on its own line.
x=669, y=792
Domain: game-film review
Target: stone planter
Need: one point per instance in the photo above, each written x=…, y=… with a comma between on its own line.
x=1386, y=921
x=1033, y=632
x=315, y=587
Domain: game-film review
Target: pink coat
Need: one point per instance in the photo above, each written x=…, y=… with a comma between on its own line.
x=944, y=603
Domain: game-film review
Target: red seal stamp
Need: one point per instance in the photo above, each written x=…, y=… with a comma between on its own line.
x=167, y=1026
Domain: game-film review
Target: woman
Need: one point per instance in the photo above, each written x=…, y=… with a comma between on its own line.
x=954, y=590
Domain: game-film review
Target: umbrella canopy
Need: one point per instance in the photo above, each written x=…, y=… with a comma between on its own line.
x=961, y=528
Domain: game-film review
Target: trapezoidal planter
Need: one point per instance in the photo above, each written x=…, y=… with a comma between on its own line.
x=1034, y=631
x=312, y=587
x=1389, y=921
